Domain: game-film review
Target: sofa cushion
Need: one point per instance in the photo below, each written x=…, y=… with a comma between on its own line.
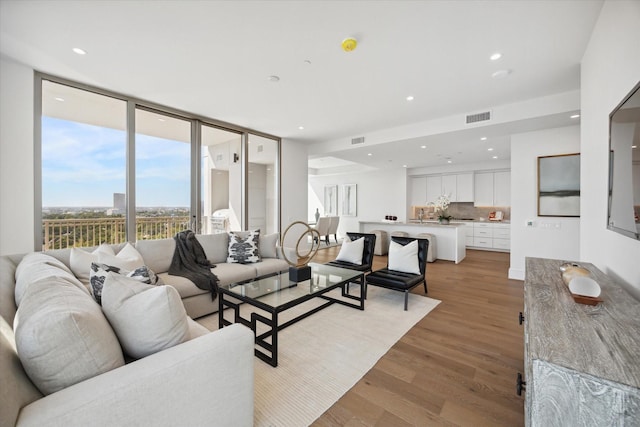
x=62, y=336
x=268, y=244
x=157, y=254
x=99, y=273
x=36, y=266
x=185, y=287
x=17, y=390
x=146, y=318
x=244, y=248
x=270, y=265
x=128, y=258
x=233, y=273
x=216, y=246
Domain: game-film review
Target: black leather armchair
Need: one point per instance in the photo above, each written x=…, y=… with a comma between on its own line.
x=367, y=256
x=397, y=280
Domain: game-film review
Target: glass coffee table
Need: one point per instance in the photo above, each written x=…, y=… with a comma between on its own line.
x=275, y=294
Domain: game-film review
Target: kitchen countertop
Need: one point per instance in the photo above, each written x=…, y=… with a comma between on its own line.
x=416, y=223
x=458, y=221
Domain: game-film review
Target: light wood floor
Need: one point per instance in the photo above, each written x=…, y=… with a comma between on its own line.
x=458, y=365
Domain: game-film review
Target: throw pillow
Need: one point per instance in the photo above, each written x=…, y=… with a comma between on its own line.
x=404, y=258
x=99, y=272
x=62, y=337
x=128, y=259
x=146, y=318
x=268, y=244
x=351, y=251
x=244, y=250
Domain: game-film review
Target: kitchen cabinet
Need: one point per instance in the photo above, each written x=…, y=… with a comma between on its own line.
x=464, y=187
x=492, y=188
x=418, y=190
x=434, y=187
x=449, y=187
x=502, y=188
x=489, y=235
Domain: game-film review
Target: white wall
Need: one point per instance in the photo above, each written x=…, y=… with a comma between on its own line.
x=610, y=69
x=16, y=158
x=379, y=193
x=539, y=241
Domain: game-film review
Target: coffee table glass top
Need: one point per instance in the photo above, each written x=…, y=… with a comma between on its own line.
x=276, y=290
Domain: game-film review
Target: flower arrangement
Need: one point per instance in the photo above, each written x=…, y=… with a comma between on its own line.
x=441, y=205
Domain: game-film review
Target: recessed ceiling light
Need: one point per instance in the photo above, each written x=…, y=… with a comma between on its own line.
x=484, y=138
x=410, y=98
x=79, y=51
x=404, y=166
x=369, y=154
x=449, y=161
x=634, y=146
x=423, y=146
x=495, y=157
x=57, y=98
x=575, y=116
x=501, y=74
x=273, y=79
x=495, y=56
x=301, y=127
x=489, y=149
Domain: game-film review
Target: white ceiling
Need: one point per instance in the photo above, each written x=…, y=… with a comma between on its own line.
x=213, y=58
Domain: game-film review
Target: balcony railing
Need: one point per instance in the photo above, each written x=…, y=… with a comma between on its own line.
x=68, y=233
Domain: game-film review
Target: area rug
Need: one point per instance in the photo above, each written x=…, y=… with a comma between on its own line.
x=326, y=354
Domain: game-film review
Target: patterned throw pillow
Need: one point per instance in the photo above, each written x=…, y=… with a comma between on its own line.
x=99, y=272
x=244, y=247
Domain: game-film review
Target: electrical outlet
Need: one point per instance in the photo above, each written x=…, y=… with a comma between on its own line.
x=530, y=223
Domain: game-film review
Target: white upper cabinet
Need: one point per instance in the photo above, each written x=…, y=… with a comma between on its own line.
x=449, y=187
x=483, y=183
x=434, y=187
x=464, y=187
x=502, y=189
x=418, y=190
x=493, y=188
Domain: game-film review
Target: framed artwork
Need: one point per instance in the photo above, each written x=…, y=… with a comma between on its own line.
x=349, y=200
x=331, y=200
x=559, y=185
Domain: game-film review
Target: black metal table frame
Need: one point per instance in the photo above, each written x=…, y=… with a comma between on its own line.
x=272, y=324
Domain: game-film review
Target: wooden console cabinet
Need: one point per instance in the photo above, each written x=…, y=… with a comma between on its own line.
x=582, y=363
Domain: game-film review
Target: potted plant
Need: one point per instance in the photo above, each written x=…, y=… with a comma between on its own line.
x=441, y=205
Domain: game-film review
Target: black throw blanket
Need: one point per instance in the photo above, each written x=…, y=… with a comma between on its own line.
x=190, y=261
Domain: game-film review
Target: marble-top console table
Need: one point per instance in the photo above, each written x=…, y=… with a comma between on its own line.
x=582, y=363
x=450, y=238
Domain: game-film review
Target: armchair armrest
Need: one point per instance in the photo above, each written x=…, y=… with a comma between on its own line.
x=205, y=381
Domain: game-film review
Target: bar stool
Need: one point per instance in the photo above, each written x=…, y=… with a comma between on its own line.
x=397, y=234
x=382, y=245
x=432, y=255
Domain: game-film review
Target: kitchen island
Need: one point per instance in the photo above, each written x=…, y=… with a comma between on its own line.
x=450, y=238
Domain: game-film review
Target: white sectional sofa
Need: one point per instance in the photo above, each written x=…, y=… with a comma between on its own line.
x=207, y=379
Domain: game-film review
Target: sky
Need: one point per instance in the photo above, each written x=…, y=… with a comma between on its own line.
x=83, y=165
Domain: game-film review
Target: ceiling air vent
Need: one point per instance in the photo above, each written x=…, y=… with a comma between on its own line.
x=260, y=148
x=356, y=141
x=479, y=117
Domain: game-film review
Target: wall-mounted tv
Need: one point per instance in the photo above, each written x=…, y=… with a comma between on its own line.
x=624, y=166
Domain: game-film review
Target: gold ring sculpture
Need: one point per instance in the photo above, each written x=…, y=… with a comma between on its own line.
x=303, y=259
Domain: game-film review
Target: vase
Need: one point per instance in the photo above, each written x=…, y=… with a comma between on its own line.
x=317, y=215
x=444, y=221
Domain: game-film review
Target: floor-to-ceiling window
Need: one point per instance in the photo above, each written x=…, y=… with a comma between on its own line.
x=83, y=154
x=110, y=168
x=163, y=175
